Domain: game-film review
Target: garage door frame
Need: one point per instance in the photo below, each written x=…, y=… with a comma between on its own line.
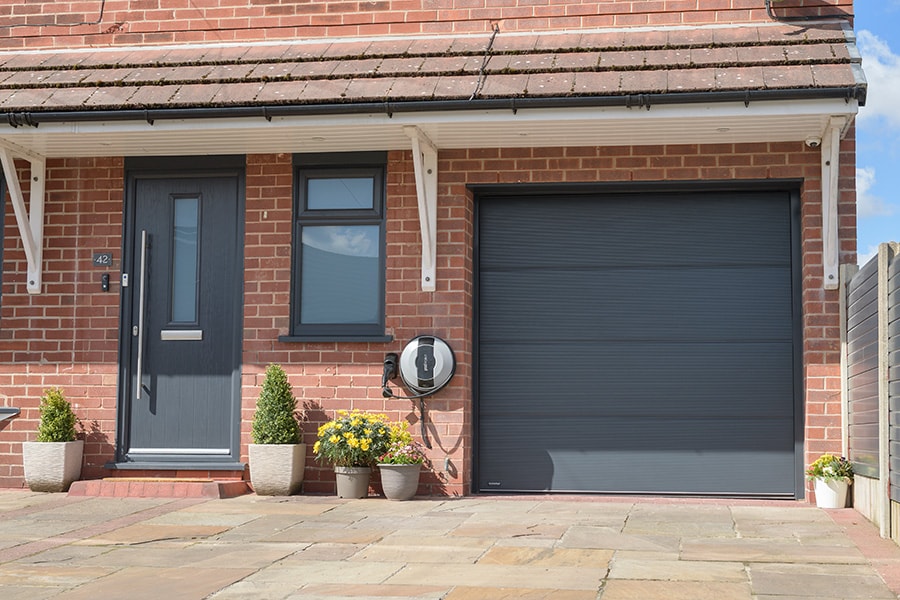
x=482, y=192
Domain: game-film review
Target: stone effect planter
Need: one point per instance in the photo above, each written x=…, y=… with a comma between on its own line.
x=277, y=469
x=399, y=482
x=52, y=466
x=352, y=482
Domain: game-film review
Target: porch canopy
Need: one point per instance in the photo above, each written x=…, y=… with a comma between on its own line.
x=720, y=84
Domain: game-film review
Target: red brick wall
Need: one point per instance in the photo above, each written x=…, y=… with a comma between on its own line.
x=49, y=23
x=67, y=335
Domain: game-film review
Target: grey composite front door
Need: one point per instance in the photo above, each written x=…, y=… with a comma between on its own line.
x=181, y=390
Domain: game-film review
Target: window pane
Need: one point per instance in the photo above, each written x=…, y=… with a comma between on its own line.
x=340, y=193
x=340, y=274
x=184, y=260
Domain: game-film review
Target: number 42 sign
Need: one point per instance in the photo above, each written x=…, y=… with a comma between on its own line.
x=102, y=259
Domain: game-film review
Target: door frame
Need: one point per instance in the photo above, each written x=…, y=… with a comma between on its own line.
x=172, y=168
x=790, y=186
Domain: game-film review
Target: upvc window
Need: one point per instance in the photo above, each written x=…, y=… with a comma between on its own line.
x=338, y=247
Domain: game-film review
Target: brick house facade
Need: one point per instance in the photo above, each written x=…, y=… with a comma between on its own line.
x=70, y=333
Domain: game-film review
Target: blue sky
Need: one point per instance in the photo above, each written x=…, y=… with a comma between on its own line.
x=878, y=125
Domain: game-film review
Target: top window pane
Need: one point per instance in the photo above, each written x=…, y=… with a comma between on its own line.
x=340, y=193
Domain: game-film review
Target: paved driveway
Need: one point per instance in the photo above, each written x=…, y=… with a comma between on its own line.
x=55, y=546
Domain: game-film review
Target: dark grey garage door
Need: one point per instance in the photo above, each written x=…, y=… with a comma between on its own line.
x=637, y=343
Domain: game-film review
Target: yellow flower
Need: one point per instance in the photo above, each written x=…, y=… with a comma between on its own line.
x=365, y=443
x=334, y=439
x=316, y=447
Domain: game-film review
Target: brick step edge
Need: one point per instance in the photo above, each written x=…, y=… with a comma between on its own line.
x=163, y=488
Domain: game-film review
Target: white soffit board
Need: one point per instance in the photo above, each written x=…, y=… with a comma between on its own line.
x=775, y=121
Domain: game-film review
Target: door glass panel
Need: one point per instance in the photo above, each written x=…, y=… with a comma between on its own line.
x=339, y=193
x=185, y=261
x=339, y=274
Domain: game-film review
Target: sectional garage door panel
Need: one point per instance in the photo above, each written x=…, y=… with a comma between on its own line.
x=636, y=343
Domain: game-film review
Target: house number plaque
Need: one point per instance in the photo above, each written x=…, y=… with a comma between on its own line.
x=102, y=259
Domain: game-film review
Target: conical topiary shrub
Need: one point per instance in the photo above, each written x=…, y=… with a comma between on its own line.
x=275, y=420
x=57, y=418
x=277, y=458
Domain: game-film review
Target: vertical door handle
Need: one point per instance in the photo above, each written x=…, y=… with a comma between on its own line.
x=140, y=325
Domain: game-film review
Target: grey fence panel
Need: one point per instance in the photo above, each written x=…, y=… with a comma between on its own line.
x=862, y=369
x=894, y=376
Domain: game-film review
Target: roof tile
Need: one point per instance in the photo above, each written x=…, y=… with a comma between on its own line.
x=601, y=84
x=645, y=82
x=740, y=78
x=280, y=92
x=692, y=80
x=415, y=69
x=791, y=76
x=550, y=84
x=417, y=88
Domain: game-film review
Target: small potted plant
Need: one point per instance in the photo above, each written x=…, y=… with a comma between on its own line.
x=832, y=476
x=401, y=465
x=53, y=462
x=277, y=456
x=352, y=442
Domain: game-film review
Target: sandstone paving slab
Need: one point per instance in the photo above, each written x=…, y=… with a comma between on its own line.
x=481, y=593
x=674, y=554
x=791, y=512
x=338, y=534
x=146, y=583
x=380, y=591
x=767, y=550
x=415, y=553
x=681, y=512
x=698, y=528
x=592, y=513
x=26, y=592
x=485, y=575
x=548, y=557
x=326, y=551
x=269, y=505
x=625, y=589
x=255, y=556
x=141, y=533
x=509, y=529
x=676, y=570
x=190, y=518
x=581, y=536
x=488, y=506
x=67, y=554
x=802, y=531
x=402, y=538
x=415, y=525
x=65, y=576
x=819, y=581
x=24, y=530
x=296, y=572
x=261, y=528
x=94, y=510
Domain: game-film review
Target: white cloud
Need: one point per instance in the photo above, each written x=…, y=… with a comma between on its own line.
x=882, y=69
x=864, y=257
x=867, y=203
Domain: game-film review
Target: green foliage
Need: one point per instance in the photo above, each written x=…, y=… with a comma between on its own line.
x=275, y=421
x=57, y=418
x=353, y=439
x=829, y=466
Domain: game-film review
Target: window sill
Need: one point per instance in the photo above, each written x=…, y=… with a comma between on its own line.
x=335, y=338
